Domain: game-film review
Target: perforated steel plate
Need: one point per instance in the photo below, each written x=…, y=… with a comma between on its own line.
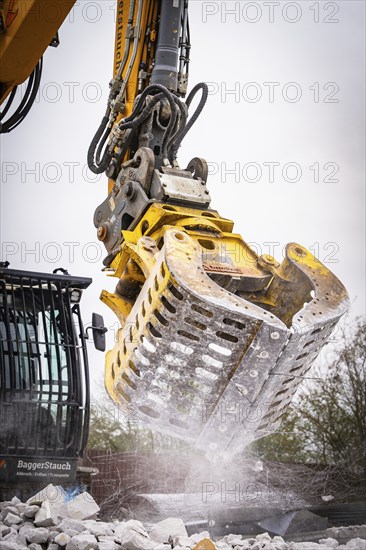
x=200, y=363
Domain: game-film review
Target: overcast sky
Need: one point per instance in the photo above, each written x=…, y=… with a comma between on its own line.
x=285, y=115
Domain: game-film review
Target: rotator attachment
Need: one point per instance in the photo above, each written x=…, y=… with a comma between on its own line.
x=214, y=340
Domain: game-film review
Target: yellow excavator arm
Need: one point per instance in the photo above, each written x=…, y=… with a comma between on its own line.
x=214, y=339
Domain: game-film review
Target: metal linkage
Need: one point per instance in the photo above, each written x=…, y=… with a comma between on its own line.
x=138, y=185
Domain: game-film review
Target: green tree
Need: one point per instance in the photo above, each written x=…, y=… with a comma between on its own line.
x=108, y=432
x=327, y=423
x=332, y=411
x=111, y=430
x=285, y=445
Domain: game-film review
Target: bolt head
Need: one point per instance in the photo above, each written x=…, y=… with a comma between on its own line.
x=102, y=233
x=268, y=259
x=129, y=189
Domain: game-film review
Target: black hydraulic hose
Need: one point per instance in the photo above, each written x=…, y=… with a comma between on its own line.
x=25, y=105
x=169, y=130
x=7, y=125
x=182, y=123
x=102, y=134
x=98, y=142
x=137, y=117
x=140, y=102
x=36, y=80
x=201, y=86
x=144, y=94
x=133, y=121
x=102, y=142
x=98, y=168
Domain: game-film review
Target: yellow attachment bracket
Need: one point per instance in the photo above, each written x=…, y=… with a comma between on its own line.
x=121, y=307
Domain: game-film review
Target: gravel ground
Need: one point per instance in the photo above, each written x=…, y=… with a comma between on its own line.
x=47, y=522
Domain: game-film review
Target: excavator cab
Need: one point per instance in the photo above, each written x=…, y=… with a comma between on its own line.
x=44, y=381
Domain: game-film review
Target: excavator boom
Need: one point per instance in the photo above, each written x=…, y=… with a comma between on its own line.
x=214, y=339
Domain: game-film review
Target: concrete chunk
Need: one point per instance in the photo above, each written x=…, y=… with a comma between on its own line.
x=107, y=545
x=356, y=544
x=25, y=527
x=46, y=515
x=50, y=493
x=12, y=519
x=4, y=530
x=62, y=539
x=38, y=535
x=82, y=507
x=83, y=542
x=9, y=508
x=168, y=528
x=332, y=543
x=132, y=536
x=125, y=525
x=21, y=539
x=8, y=545
x=133, y=540
x=71, y=524
x=183, y=541
x=30, y=511
x=98, y=528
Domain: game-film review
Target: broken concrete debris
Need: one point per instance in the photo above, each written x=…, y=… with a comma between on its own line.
x=48, y=521
x=168, y=529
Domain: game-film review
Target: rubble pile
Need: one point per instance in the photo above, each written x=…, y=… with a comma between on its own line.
x=49, y=521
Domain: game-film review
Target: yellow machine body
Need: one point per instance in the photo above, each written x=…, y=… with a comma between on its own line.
x=28, y=27
x=214, y=340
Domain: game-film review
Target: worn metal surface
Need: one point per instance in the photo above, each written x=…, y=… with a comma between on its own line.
x=126, y=200
x=198, y=362
x=138, y=185
x=180, y=188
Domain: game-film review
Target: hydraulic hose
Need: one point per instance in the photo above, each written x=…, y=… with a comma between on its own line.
x=183, y=120
x=97, y=164
x=201, y=86
x=103, y=165
x=25, y=105
x=134, y=122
